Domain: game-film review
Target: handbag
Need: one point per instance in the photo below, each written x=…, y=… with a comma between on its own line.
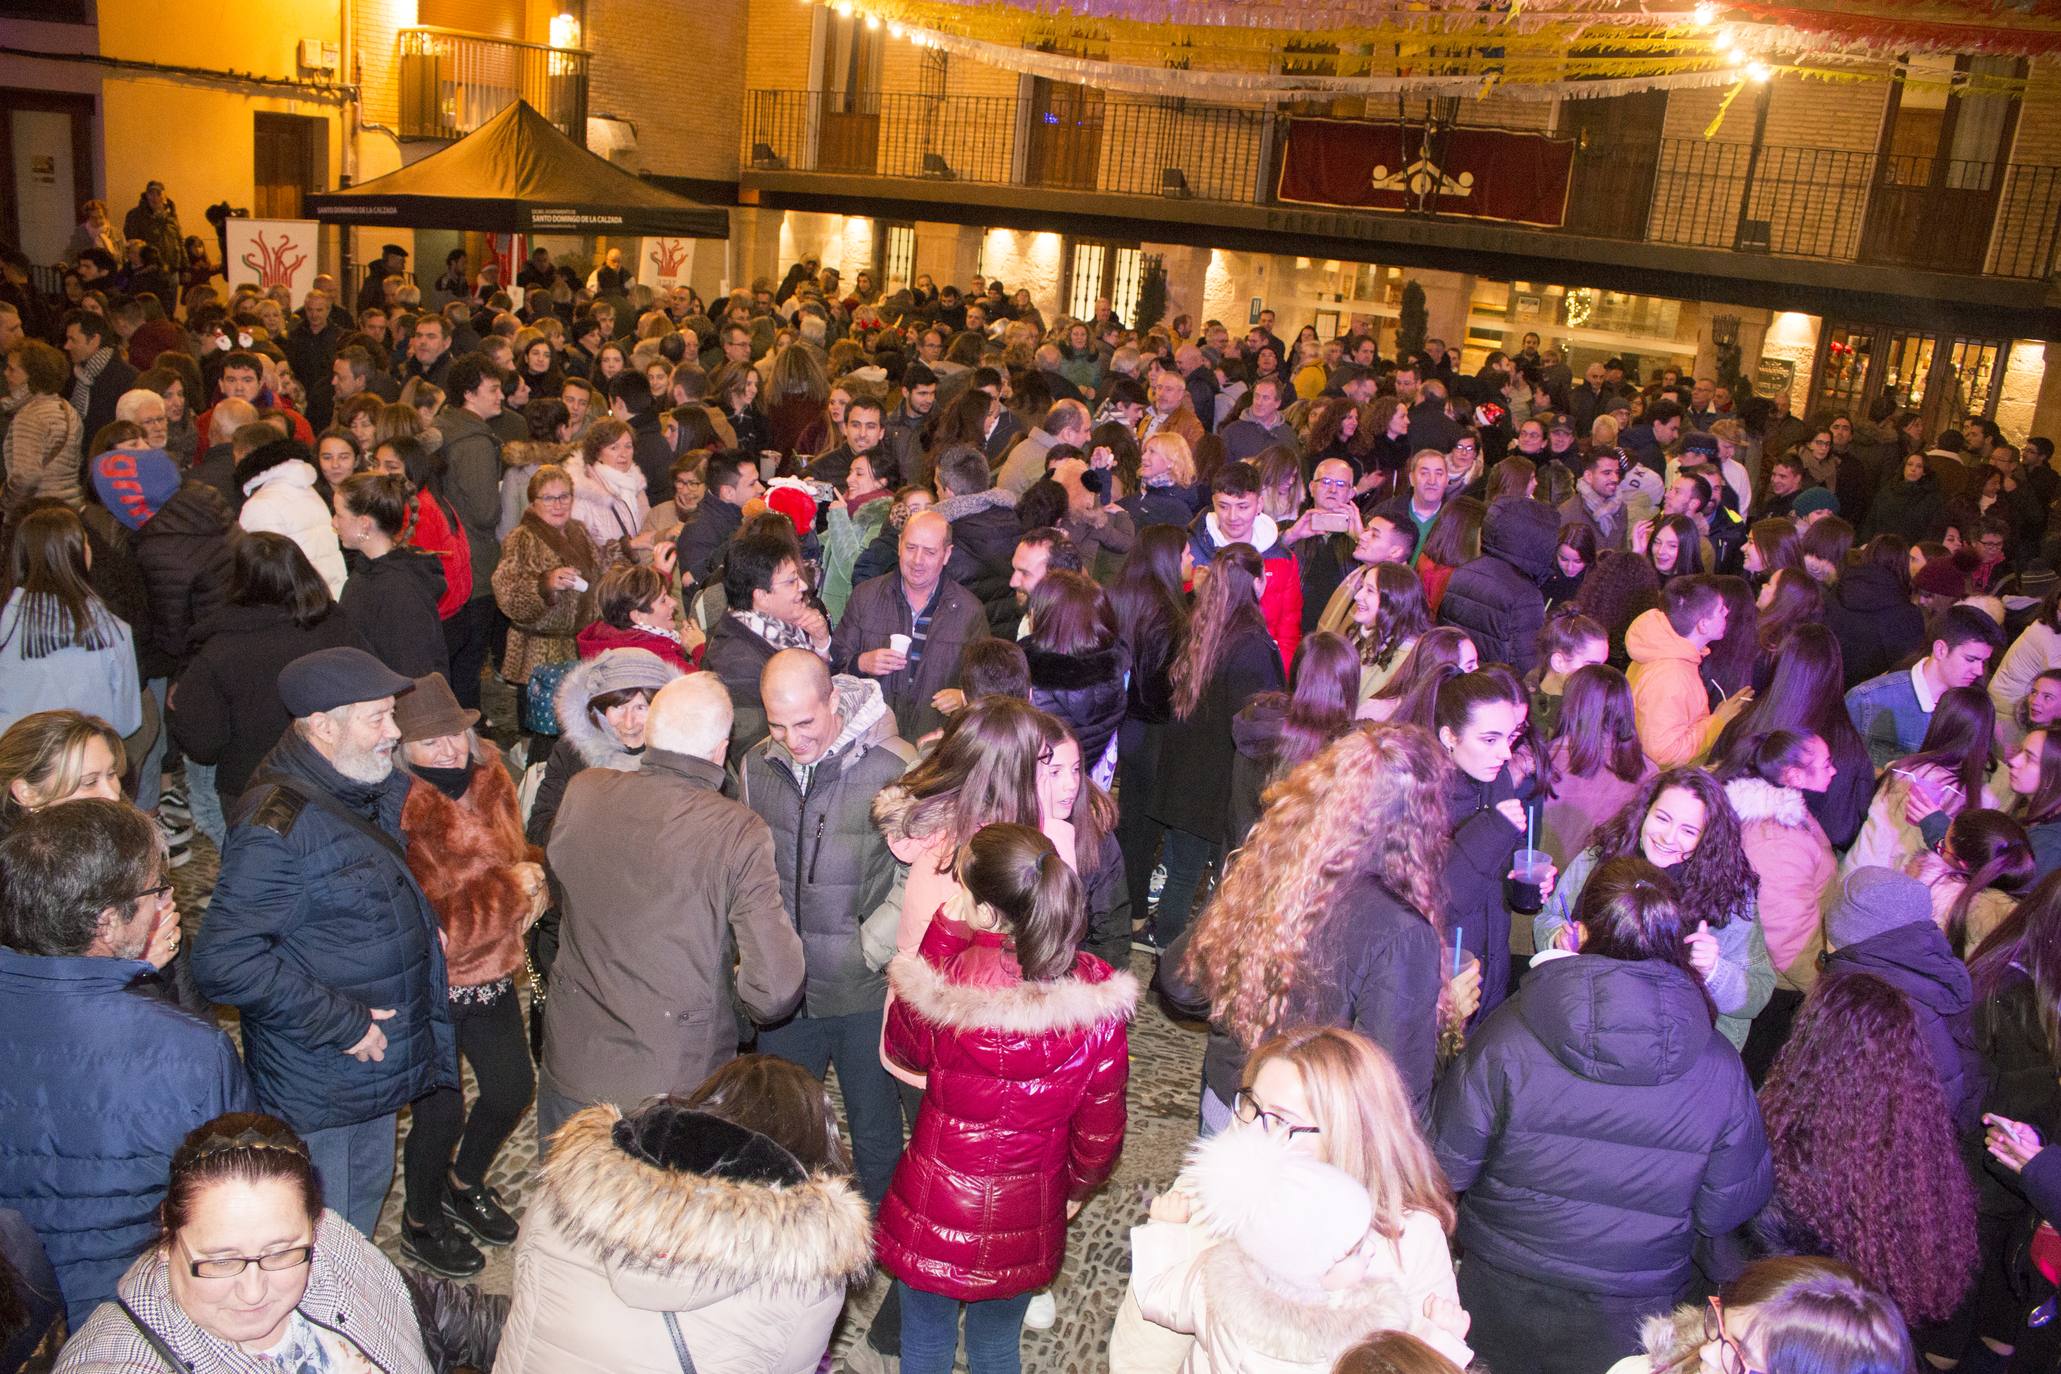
x=540, y=697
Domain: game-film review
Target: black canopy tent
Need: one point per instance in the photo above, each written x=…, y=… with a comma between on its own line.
x=518, y=174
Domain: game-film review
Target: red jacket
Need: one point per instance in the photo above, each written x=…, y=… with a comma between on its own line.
x=1024, y=1111
x=429, y=529
x=599, y=637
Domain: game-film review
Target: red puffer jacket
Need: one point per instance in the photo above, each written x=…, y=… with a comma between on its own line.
x=430, y=528
x=1024, y=1111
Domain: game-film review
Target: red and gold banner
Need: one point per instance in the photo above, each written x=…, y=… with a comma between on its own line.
x=1468, y=173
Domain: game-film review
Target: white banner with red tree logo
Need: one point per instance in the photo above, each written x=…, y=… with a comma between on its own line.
x=273, y=252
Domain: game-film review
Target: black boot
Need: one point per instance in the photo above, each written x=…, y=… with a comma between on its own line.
x=478, y=1209
x=439, y=1248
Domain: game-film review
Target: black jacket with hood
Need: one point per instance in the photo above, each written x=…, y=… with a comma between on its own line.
x=1918, y=962
x=1874, y=621
x=1596, y=1126
x=1086, y=691
x=391, y=601
x=1496, y=598
x=183, y=553
x=984, y=534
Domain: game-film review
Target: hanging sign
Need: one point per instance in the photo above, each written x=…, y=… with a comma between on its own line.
x=272, y=252
x=1466, y=173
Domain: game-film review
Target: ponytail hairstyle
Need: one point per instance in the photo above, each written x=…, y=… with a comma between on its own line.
x=1988, y=849
x=237, y=1147
x=1630, y=911
x=1462, y=694
x=1015, y=871
x=1566, y=630
x=1766, y=756
x=1597, y=726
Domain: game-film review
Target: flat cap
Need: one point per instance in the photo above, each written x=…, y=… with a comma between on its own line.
x=329, y=678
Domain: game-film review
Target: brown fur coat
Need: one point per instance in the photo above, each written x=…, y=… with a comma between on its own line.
x=464, y=853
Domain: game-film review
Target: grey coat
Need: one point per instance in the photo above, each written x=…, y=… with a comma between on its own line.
x=472, y=487
x=834, y=864
x=672, y=907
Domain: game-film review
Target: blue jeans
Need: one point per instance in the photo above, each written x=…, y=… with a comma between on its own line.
x=872, y=1107
x=1188, y=858
x=205, y=802
x=356, y=1167
x=930, y=1333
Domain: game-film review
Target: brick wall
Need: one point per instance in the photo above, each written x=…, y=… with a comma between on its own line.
x=687, y=114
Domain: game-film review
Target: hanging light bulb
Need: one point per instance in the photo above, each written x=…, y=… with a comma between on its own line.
x=1758, y=72
x=873, y=23
x=1706, y=13
x=894, y=28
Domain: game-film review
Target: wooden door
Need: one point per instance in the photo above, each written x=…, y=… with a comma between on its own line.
x=1939, y=168
x=287, y=164
x=849, y=140
x=1065, y=135
x=1616, y=158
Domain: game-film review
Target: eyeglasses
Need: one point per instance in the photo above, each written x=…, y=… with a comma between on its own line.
x=158, y=893
x=1333, y=482
x=1731, y=1357
x=553, y=498
x=1273, y=1123
x=229, y=1266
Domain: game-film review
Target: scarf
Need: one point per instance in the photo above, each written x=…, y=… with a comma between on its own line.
x=85, y=374
x=777, y=633
x=1599, y=509
x=570, y=545
x=452, y=782
x=623, y=488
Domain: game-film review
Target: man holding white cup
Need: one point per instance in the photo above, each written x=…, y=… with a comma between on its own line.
x=908, y=628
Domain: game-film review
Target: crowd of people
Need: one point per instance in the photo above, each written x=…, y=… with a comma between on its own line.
x=1608, y=826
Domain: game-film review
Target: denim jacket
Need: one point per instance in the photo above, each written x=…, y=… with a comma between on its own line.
x=1886, y=711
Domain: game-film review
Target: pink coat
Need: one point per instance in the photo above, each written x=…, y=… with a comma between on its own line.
x=1793, y=860
x=1024, y=1111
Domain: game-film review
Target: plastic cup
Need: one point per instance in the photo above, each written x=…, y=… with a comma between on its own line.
x=899, y=643
x=1523, y=890
x=1463, y=959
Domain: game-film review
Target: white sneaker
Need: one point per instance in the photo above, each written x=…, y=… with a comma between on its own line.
x=1042, y=1312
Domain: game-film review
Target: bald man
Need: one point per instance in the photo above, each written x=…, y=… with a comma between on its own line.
x=641, y=992
x=908, y=628
x=832, y=749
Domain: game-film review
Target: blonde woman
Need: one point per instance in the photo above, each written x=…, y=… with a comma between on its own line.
x=1164, y=492
x=1329, y=916
x=1336, y=1097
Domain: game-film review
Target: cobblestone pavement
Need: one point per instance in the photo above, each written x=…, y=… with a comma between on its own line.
x=1166, y=1069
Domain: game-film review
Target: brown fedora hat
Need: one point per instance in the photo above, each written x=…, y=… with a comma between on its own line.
x=431, y=711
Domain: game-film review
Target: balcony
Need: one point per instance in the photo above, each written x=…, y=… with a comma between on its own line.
x=1999, y=220
x=451, y=83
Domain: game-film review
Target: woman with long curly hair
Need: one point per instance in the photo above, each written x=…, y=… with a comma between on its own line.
x=1620, y=588
x=1807, y=692
x=1226, y=659
x=1278, y=730
x=1682, y=823
x=1347, y=1089
x=1388, y=617
x=1866, y=1165
x=1330, y=914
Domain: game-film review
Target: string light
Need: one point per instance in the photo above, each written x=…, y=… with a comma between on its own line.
x=1706, y=14
x=1758, y=71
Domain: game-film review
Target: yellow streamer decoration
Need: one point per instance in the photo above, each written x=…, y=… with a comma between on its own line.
x=1717, y=121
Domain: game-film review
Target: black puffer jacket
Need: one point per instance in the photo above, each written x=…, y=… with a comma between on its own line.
x=1374, y=969
x=2021, y=1084
x=984, y=534
x=1084, y=690
x=1597, y=1125
x=391, y=601
x=1484, y=842
x=1496, y=598
x=184, y=555
x=1918, y=962
x=1874, y=621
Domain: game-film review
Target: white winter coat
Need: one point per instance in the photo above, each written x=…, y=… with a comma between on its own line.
x=282, y=500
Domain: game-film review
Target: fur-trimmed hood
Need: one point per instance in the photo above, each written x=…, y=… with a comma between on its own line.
x=1301, y=1331
x=1073, y=672
x=1673, y=1341
x=731, y=1233
x=1067, y=1003
x=1755, y=800
x=974, y=502
x=597, y=745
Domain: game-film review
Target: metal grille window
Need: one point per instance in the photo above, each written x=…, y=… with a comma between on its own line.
x=1126, y=282
x=1087, y=280
x=899, y=266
